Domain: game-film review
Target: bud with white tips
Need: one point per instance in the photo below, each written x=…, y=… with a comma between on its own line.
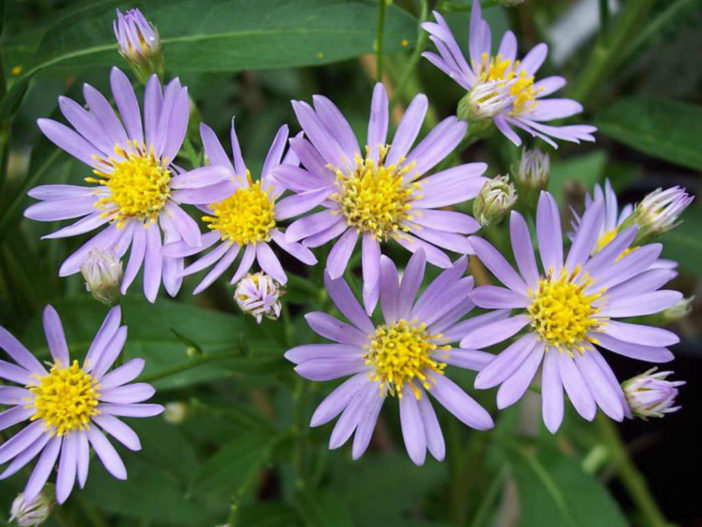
x=139, y=43
x=533, y=169
x=34, y=513
x=651, y=394
x=495, y=199
x=102, y=271
x=484, y=101
x=678, y=311
x=659, y=212
x=511, y=3
x=259, y=295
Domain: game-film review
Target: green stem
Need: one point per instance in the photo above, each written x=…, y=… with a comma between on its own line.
x=608, y=52
x=630, y=477
x=481, y=515
x=453, y=6
x=604, y=16
x=420, y=45
x=662, y=19
x=195, y=362
x=382, y=6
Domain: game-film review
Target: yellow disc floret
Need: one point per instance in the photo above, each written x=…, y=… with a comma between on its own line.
x=245, y=217
x=562, y=313
x=139, y=184
x=65, y=399
x=605, y=239
x=522, y=87
x=376, y=198
x=401, y=353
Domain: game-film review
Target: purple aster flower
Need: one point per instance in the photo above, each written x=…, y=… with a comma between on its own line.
x=136, y=36
x=139, y=43
x=616, y=220
x=137, y=190
x=651, y=394
x=404, y=357
x=528, y=109
x=247, y=219
x=70, y=407
x=259, y=295
x=380, y=192
x=569, y=310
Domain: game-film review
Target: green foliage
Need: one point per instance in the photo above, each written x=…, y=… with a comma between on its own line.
x=662, y=128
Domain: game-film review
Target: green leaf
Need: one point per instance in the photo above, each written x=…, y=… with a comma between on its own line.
x=661, y=128
x=554, y=490
x=684, y=244
x=384, y=488
x=150, y=337
x=236, y=466
x=268, y=515
x=209, y=35
x=585, y=169
x=323, y=509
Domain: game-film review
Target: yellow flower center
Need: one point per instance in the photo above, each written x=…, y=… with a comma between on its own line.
x=65, y=399
x=375, y=198
x=245, y=217
x=605, y=239
x=401, y=352
x=500, y=69
x=139, y=185
x=562, y=313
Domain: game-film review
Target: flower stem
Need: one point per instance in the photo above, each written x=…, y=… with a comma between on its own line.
x=634, y=483
x=382, y=6
x=195, y=362
x=609, y=51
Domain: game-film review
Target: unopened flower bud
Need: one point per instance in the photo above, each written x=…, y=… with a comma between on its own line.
x=139, y=43
x=175, y=412
x=484, y=101
x=651, y=394
x=659, y=212
x=678, y=311
x=511, y=3
x=495, y=199
x=34, y=513
x=259, y=295
x=533, y=169
x=102, y=271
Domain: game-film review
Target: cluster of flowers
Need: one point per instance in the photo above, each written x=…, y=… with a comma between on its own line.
x=555, y=317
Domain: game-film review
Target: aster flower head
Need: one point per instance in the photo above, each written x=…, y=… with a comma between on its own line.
x=70, y=406
x=533, y=169
x=651, y=394
x=528, y=109
x=139, y=43
x=494, y=200
x=380, y=192
x=659, y=211
x=247, y=219
x=615, y=220
x=404, y=357
x=31, y=514
x=259, y=295
x=136, y=192
x=102, y=272
x=567, y=310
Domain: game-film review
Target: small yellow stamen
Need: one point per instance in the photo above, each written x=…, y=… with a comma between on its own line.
x=562, y=313
x=606, y=238
x=139, y=184
x=65, y=399
x=376, y=198
x=401, y=352
x=245, y=217
x=500, y=69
